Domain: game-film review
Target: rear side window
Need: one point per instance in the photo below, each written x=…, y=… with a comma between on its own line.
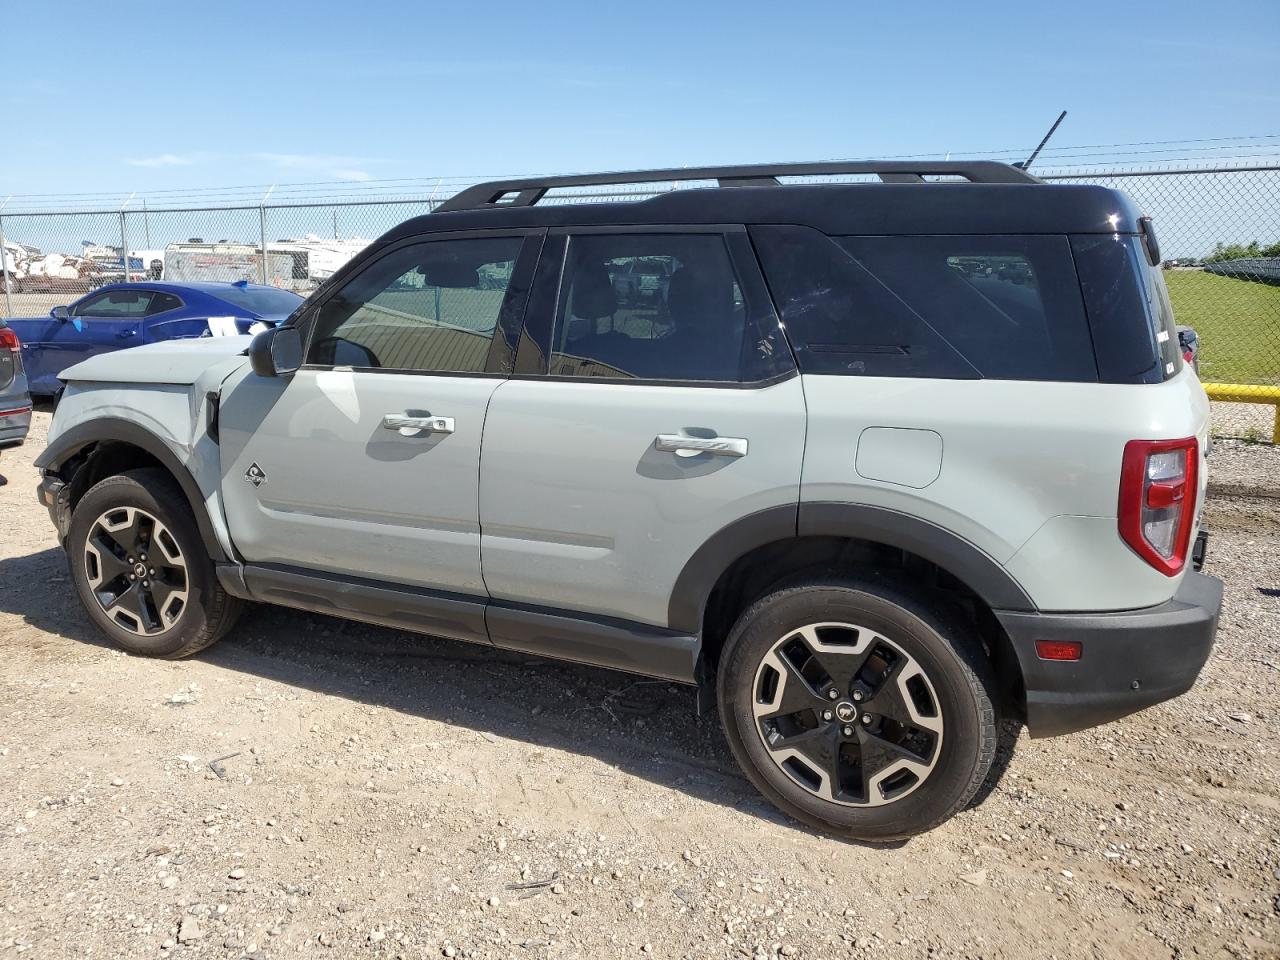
x=650, y=307
x=264, y=301
x=1130, y=316
x=954, y=307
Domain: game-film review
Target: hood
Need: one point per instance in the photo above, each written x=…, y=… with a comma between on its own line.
x=169, y=361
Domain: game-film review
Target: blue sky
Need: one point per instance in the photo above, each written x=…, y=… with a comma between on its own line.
x=130, y=96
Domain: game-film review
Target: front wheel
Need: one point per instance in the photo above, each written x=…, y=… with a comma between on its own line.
x=141, y=568
x=858, y=708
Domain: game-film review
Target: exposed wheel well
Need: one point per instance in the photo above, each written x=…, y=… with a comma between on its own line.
x=102, y=460
x=766, y=567
x=96, y=460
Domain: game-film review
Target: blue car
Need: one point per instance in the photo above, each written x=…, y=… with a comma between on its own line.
x=128, y=314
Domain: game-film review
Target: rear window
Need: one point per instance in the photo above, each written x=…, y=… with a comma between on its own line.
x=954, y=307
x=264, y=301
x=1130, y=316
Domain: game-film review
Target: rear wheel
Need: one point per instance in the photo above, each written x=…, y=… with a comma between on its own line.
x=142, y=570
x=858, y=708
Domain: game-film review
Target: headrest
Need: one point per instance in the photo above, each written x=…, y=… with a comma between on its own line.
x=592, y=296
x=699, y=298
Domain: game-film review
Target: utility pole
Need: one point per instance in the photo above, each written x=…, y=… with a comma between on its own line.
x=4, y=261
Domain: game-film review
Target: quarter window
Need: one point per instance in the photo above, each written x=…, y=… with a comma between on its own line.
x=649, y=306
x=162, y=302
x=958, y=307
x=431, y=306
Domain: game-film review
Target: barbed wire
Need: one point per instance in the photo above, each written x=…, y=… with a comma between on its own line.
x=1218, y=150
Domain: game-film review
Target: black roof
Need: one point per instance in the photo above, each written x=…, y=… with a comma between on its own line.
x=992, y=198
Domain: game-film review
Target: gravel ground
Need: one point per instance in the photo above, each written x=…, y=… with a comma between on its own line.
x=1246, y=469
x=320, y=788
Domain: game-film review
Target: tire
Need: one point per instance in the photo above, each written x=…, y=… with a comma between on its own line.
x=912, y=730
x=183, y=608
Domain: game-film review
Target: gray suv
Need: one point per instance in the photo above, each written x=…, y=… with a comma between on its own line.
x=885, y=465
x=15, y=400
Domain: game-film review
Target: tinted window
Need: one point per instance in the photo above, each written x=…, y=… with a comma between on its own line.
x=1129, y=311
x=649, y=306
x=161, y=302
x=1010, y=305
x=947, y=307
x=264, y=301
x=115, y=304
x=430, y=306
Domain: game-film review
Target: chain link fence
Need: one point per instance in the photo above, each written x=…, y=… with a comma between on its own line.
x=1219, y=232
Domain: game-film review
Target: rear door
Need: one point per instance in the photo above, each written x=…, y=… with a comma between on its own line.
x=640, y=421
x=365, y=462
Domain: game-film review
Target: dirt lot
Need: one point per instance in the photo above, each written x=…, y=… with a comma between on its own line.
x=386, y=795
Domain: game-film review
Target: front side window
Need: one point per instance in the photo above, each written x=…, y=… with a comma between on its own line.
x=649, y=307
x=115, y=305
x=430, y=306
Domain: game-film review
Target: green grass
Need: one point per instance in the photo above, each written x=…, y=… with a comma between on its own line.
x=1238, y=322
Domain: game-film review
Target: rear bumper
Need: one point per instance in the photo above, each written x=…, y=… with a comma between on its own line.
x=14, y=425
x=1131, y=659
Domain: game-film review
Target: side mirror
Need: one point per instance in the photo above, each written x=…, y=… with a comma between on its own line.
x=276, y=352
x=60, y=313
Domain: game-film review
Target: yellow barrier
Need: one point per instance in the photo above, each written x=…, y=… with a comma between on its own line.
x=1248, y=393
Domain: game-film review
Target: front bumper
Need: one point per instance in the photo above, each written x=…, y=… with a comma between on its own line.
x=55, y=495
x=1130, y=660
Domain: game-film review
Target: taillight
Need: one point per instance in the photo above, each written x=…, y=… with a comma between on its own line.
x=1158, y=488
x=8, y=339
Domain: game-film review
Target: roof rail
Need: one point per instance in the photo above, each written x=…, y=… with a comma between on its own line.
x=526, y=193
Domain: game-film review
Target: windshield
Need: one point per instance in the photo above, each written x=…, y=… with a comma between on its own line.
x=264, y=301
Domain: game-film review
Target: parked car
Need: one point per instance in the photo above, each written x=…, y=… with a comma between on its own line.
x=641, y=280
x=56, y=273
x=128, y=314
x=15, y=401
x=1189, y=344
x=112, y=271
x=869, y=500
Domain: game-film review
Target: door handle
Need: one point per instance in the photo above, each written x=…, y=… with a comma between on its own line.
x=410, y=426
x=126, y=334
x=683, y=446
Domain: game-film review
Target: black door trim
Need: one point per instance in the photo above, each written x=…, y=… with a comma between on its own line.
x=601, y=642
x=456, y=616
x=559, y=634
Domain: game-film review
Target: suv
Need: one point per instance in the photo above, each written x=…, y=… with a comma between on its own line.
x=889, y=464
x=15, y=401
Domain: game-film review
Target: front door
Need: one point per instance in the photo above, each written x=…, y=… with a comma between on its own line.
x=643, y=418
x=365, y=462
x=98, y=323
